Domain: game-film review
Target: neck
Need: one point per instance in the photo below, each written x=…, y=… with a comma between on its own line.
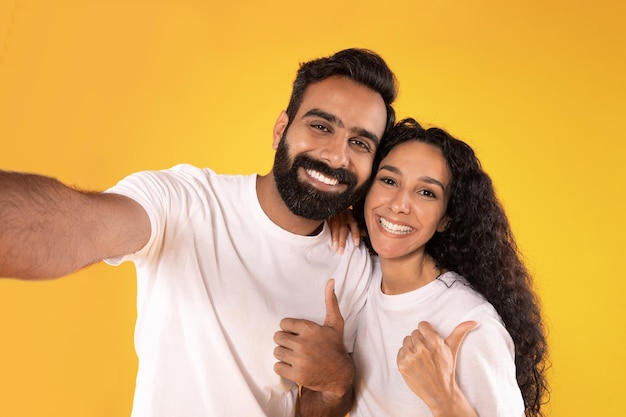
x=403, y=275
x=275, y=208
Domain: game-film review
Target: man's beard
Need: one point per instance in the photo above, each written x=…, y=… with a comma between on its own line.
x=302, y=198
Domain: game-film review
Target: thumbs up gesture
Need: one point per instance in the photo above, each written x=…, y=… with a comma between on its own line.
x=314, y=355
x=427, y=363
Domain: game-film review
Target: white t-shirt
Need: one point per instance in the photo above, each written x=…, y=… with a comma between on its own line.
x=214, y=281
x=485, y=364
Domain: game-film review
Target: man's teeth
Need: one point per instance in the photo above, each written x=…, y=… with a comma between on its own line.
x=395, y=228
x=321, y=178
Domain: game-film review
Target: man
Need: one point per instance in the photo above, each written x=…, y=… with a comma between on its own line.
x=222, y=261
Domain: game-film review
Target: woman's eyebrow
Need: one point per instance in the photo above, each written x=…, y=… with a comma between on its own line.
x=424, y=178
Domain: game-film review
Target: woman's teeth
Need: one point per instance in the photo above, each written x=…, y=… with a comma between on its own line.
x=397, y=229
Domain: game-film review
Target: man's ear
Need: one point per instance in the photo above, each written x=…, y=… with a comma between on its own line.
x=279, y=128
x=443, y=224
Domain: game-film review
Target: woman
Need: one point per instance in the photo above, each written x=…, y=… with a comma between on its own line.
x=446, y=255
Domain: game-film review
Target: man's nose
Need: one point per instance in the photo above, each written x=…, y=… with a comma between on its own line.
x=335, y=153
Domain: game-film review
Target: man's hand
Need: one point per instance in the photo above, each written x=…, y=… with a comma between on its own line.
x=315, y=357
x=427, y=363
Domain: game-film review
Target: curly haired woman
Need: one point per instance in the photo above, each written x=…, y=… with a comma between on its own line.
x=446, y=255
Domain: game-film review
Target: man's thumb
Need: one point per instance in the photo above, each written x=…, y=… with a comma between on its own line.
x=455, y=338
x=333, y=314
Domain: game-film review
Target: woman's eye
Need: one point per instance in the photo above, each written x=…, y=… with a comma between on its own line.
x=427, y=193
x=387, y=180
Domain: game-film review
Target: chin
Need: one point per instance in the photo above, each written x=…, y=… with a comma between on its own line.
x=385, y=252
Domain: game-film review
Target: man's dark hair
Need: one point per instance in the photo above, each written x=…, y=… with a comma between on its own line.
x=360, y=65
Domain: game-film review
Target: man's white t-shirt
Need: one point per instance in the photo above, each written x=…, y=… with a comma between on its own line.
x=214, y=281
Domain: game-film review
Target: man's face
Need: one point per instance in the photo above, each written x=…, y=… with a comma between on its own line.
x=324, y=158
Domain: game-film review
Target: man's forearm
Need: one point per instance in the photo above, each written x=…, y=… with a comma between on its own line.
x=320, y=404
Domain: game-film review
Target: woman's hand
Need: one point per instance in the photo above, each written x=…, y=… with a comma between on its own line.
x=427, y=363
x=339, y=227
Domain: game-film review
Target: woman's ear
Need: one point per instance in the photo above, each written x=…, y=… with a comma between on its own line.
x=443, y=223
x=279, y=128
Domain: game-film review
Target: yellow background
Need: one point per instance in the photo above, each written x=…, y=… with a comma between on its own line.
x=93, y=90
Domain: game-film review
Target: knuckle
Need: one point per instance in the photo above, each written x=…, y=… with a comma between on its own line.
x=421, y=349
x=278, y=354
x=278, y=368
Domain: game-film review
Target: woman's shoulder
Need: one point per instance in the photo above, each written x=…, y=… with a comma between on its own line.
x=465, y=302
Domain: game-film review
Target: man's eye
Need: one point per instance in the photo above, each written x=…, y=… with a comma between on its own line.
x=363, y=145
x=320, y=127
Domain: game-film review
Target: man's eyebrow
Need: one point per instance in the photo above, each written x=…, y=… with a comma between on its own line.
x=331, y=118
x=367, y=134
x=326, y=116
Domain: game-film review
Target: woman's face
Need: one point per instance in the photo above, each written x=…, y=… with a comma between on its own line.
x=406, y=203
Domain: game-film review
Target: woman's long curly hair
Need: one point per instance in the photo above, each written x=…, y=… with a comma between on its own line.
x=479, y=245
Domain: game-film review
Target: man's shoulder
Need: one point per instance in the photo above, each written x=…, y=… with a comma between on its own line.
x=183, y=182
x=191, y=174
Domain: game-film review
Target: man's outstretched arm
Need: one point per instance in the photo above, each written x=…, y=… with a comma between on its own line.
x=48, y=230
